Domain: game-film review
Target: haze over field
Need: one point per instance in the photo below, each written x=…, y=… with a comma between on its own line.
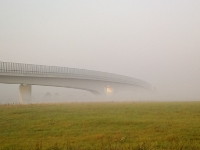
x=157, y=41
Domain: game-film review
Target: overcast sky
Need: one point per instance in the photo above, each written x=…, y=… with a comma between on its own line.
x=154, y=40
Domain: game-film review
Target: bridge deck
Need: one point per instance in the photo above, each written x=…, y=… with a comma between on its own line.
x=31, y=70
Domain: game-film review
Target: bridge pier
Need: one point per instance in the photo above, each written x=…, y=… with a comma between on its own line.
x=25, y=93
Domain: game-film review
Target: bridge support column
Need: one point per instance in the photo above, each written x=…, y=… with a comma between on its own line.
x=25, y=93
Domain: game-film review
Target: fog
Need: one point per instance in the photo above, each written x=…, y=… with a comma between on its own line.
x=157, y=41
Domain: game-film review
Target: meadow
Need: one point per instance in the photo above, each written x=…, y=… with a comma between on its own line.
x=101, y=126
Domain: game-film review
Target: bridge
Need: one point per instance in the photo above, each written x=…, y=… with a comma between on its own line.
x=95, y=82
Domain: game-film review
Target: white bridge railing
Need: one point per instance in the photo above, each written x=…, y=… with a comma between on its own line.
x=41, y=70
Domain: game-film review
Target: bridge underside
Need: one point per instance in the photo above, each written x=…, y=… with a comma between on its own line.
x=93, y=86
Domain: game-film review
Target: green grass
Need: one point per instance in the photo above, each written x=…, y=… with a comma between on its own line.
x=101, y=126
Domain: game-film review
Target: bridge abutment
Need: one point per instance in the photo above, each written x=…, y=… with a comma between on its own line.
x=25, y=93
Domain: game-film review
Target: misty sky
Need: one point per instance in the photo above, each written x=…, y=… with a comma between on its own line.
x=154, y=40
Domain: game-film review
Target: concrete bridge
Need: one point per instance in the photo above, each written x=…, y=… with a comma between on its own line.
x=93, y=81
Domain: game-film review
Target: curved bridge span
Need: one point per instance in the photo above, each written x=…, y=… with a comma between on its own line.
x=93, y=81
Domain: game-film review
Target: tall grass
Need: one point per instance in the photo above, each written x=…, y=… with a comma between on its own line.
x=101, y=126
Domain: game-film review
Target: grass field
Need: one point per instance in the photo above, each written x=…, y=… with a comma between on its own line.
x=101, y=126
